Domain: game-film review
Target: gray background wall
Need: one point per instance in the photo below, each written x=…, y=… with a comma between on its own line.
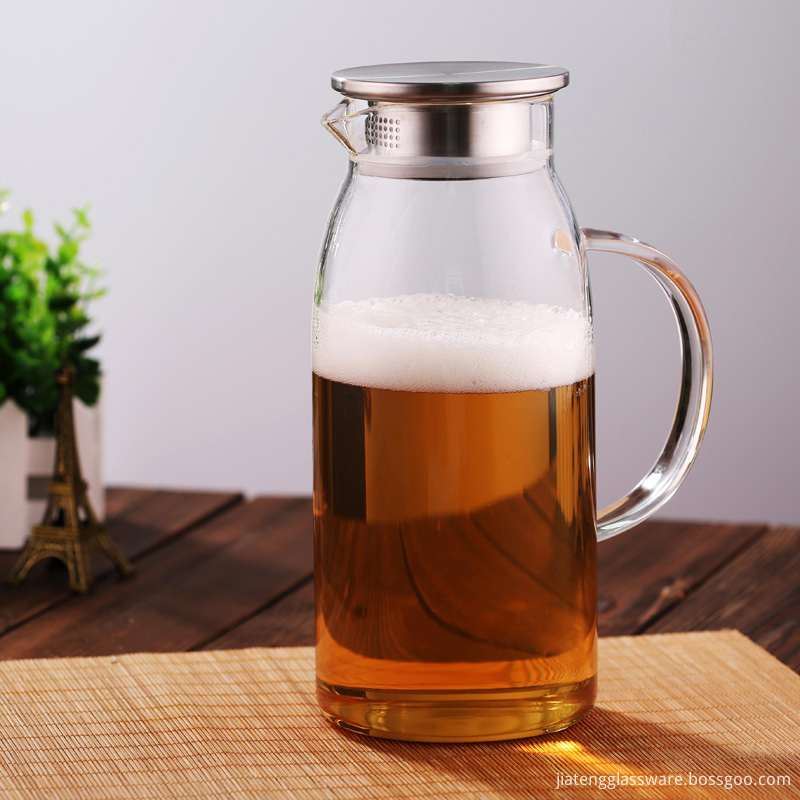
x=193, y=127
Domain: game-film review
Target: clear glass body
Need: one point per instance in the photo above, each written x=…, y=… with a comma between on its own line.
x=454, y=503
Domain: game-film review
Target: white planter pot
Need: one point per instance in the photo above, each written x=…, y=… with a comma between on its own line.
x=26, y=466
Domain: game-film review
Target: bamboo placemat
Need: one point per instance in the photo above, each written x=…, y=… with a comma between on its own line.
x=243, y=724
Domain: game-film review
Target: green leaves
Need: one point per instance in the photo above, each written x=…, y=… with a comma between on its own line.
x=82, y=345
x=81, y=218
x=44, y=294
x=68, y=251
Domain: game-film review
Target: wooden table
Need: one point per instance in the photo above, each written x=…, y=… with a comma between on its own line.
x=215, y=571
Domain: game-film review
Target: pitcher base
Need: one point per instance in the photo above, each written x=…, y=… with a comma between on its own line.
x=457, y=716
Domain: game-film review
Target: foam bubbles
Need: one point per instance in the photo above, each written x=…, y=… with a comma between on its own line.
x=449, y=343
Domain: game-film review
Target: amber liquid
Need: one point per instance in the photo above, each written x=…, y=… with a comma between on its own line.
x=455, y=560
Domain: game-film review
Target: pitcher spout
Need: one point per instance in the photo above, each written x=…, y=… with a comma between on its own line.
x=339, y=123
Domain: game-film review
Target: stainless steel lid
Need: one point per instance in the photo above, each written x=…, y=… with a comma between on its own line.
x=449, y=80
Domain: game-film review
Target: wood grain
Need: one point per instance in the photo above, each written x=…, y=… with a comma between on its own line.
x=215, y=573
x=647, y=571
x=139, y=520
x=184, y=593
x=120, y=500
x=643, y=574
x=758, y=593
x=287, y=623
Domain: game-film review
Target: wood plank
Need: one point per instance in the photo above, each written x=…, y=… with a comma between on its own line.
x=186, y=592
x=642, y=574
x=647, y=571
x=758, y=593
x=120, y=499
x=287, y=623
x=139, y=520
x=165, y=514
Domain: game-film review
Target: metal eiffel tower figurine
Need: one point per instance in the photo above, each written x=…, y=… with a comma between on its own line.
x=69, y=531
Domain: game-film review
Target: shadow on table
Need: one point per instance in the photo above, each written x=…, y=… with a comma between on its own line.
x=620, y=750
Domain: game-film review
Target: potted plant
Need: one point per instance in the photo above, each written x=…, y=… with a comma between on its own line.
x=44, y=323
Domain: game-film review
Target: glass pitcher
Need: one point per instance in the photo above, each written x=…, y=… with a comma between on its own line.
x=453, y=359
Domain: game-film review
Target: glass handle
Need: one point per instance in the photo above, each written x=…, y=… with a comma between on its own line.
x=694, y=400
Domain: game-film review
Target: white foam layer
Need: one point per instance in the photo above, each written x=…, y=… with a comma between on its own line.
x=446, y=343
